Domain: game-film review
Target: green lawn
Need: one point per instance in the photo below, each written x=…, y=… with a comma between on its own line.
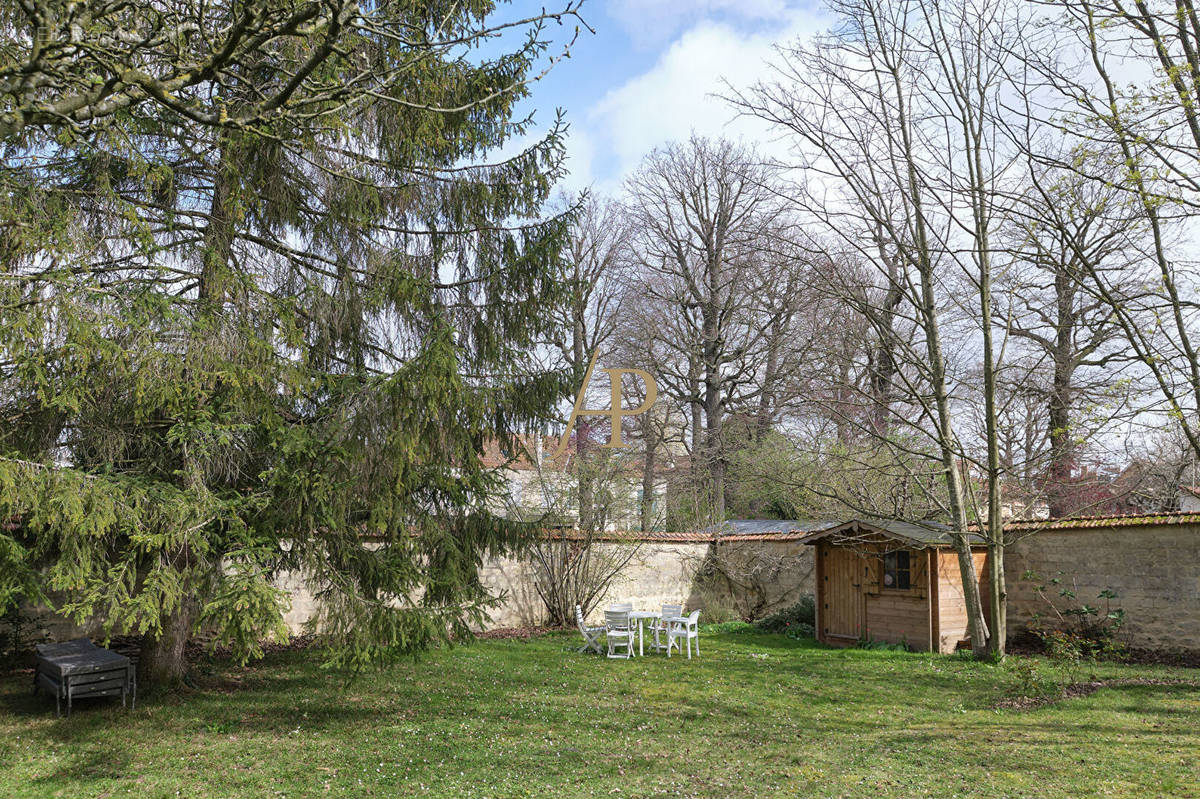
x=756, y=715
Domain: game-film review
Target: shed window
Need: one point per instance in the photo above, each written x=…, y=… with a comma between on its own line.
x=897, y=570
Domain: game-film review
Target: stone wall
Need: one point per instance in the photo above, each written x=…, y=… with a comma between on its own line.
x=772, y=575
x=660, y=573
x=1154, y=569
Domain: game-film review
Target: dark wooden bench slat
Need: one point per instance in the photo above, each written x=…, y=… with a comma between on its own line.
x=99, y=676
x=97, y=688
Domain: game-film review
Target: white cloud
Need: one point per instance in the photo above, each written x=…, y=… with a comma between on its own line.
x=676, y=96
x=653, y=22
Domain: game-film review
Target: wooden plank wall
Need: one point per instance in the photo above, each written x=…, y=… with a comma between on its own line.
x=900, y=617
x=951, y=623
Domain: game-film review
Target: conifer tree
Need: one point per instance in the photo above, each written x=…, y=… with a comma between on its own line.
x=234, y=349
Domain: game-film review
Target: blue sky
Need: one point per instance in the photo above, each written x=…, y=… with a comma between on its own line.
x=648, y=73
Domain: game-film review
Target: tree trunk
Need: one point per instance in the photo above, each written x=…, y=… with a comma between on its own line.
x=884, y=356
x=1062, y=459
x=766, y=399
x=998, y=598
x=648, y=463
x=926, y=303
x=163, y=658
x=713, y=451
x=163, y=661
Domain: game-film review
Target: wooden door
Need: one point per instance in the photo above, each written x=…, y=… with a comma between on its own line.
x=843, y=600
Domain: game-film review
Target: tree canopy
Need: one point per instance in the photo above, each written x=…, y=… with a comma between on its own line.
x=263, y=303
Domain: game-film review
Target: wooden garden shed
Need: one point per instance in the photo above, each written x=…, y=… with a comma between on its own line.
x=893, y=581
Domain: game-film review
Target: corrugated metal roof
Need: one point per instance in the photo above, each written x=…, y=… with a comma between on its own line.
x=732, y=531
x=753, y=527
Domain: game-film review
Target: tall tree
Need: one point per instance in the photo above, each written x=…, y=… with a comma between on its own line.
x=244, y=349
x=1065, y=228
x=894, y=117
x=1130, y=102
x=593, y=263
x=699, y=212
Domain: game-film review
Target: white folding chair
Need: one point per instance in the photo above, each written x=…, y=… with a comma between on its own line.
x=660, y=625
x=591, y=635
x=684, y=629
x=619, y=633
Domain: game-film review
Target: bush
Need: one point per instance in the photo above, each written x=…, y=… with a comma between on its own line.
x=1080, y=631
x=803, y=613
x=729, y=627
x=799, y=630
x=882, y=646
x=15, y=626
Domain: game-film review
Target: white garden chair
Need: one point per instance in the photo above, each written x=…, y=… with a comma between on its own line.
x=591, y=635
x=660, y=625
x=684, y=629
x=619, y=632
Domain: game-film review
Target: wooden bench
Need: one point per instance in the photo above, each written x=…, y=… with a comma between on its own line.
x=80, y=668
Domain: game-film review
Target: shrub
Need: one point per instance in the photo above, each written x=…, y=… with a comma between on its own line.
x=882, y=646
x=15, y=626
x=1029, y=681
x=729, y=627
x=1079, y=631
x=803, y=613
x=799, y=629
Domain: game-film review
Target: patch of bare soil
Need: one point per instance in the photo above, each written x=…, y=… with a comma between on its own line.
x=519, y=633
x=1080, y=689
x=1025, y=643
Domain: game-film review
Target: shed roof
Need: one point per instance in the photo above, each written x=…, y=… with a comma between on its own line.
x=923, y=535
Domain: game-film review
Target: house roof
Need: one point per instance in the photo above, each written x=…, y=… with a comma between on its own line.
x=921, y=534
x=1097, y=522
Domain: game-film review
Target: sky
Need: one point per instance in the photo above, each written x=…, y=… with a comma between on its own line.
x=649, y=73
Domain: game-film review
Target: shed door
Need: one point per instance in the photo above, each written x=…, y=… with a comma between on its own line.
x=843, y=609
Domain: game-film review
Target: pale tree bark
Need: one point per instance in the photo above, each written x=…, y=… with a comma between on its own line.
x=1146, y=119
x=894, y=113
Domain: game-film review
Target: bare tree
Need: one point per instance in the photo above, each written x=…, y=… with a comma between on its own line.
x=700, y=211
x=894, y=119
x=1065, y=228
x=1131, y=101
x=592, y=266
x=575, y=569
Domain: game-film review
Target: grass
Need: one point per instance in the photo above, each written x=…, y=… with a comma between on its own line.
x=757, y=715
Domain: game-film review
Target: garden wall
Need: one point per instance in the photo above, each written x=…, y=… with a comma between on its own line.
x=1154, y=568
x=745, y=578
x=750, y=578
